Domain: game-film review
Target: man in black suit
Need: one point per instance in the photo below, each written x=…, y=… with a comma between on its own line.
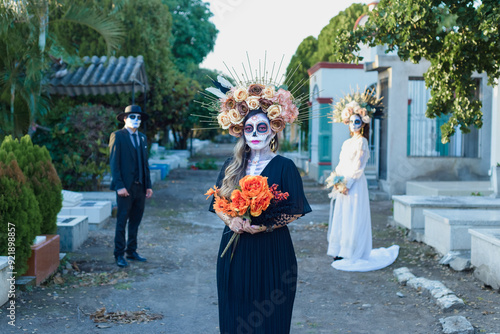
x=130, y=180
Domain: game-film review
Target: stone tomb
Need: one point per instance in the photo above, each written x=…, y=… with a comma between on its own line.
x=98, y=212
x=409, y=210
x=448, y=188
x=71, y=198
x=73, y=231
x=4, y=283
x=485, y=255
x=448, y=229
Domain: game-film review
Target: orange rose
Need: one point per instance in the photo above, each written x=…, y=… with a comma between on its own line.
x=212, y=191
x=239, y=202
x=222, y=205
x=260, y=203
x=251, y=186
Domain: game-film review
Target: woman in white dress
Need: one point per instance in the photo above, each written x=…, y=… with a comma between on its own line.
x=349, y=232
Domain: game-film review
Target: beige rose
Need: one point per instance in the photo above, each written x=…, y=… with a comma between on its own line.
x=230, y=103
x=240, y=94
x=268, y=92
x=235, y=116
x=277, y=124
x=253, y=102
x=255, y=89
x=223, y=119
x=236, y=130
x=274, y=111
x=265, y=103
x=242, y=107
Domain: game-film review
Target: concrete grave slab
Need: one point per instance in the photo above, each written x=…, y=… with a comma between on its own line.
x=485, y=250
x=448, y=229
x=409, y=210
x=73, y=231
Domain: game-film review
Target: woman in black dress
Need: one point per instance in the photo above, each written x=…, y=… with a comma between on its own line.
x=256, y=288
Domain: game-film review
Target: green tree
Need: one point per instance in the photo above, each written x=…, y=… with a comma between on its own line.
x=343, y=21
x=25, y=45
x=78, y=143
x=457, y=37
x=296, y=72
x=37, y=167
x=174, y=37
x=148, y=25
x=18, y=206
x=193, y=35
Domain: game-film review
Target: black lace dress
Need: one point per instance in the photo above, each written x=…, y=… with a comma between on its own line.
x=256, y=289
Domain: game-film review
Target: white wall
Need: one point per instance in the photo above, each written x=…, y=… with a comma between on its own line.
x=400, y=167
x=495, y=126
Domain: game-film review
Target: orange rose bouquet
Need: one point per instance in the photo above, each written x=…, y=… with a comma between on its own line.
x=250, y=199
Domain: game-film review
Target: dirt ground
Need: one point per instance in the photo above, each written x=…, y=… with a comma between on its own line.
x=180, y=238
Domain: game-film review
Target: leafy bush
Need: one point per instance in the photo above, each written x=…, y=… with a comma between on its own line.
x=77, y=140
x=36, y=165
x=18, y=206
x=207, y=164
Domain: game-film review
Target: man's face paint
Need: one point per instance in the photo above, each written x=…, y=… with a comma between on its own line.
x=258, y=132
x=355, y=123
x=133, y=121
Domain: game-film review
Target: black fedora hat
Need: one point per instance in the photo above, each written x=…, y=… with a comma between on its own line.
x=132, y=109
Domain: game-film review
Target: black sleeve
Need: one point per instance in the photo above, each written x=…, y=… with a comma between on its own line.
x=114, y=160
x=292, y=183
x=220, y=178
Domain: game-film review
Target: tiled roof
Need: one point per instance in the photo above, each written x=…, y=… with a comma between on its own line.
x=100, y=75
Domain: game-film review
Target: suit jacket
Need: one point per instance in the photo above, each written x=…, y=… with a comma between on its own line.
x=123, y=160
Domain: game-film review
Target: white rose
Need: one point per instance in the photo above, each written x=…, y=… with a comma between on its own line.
x=345, y=114
x=253, y=102
x=352, y=104
x=268, y=92
x=223, y=119
x=366, y=119
x=234, y=116
x=273, y=111
x=240, y=94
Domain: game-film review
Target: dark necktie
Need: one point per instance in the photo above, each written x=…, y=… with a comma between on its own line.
x=139, y=157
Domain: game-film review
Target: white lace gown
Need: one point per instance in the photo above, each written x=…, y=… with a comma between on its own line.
x=349, y=231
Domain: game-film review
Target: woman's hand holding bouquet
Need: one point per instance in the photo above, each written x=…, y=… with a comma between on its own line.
x=338, y=183
x=250, y=199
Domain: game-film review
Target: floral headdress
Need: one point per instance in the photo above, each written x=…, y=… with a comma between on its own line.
x=362, y=104
x=233, y=103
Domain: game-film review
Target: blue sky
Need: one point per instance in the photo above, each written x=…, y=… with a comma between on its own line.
x=275, y=26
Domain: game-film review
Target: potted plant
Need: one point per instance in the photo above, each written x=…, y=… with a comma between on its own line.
x=41, y=177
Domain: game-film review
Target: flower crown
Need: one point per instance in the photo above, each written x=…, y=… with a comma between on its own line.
x=356, y=103
x=234, y=103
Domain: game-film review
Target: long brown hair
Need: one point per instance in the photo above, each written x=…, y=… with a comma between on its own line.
x=365, y=128
x=236, y=169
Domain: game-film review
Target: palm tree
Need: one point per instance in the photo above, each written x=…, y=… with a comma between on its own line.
x=26, y=43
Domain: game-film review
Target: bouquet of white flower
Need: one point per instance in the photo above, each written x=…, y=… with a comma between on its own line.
x=338, y=183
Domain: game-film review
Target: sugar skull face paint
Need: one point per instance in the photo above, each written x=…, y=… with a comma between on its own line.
x=133, y=121
x=257, y=132
x=355, y=123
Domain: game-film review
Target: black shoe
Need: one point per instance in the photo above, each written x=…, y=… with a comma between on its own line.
x=336, y=258
x=121, y=262
x=136, y=257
